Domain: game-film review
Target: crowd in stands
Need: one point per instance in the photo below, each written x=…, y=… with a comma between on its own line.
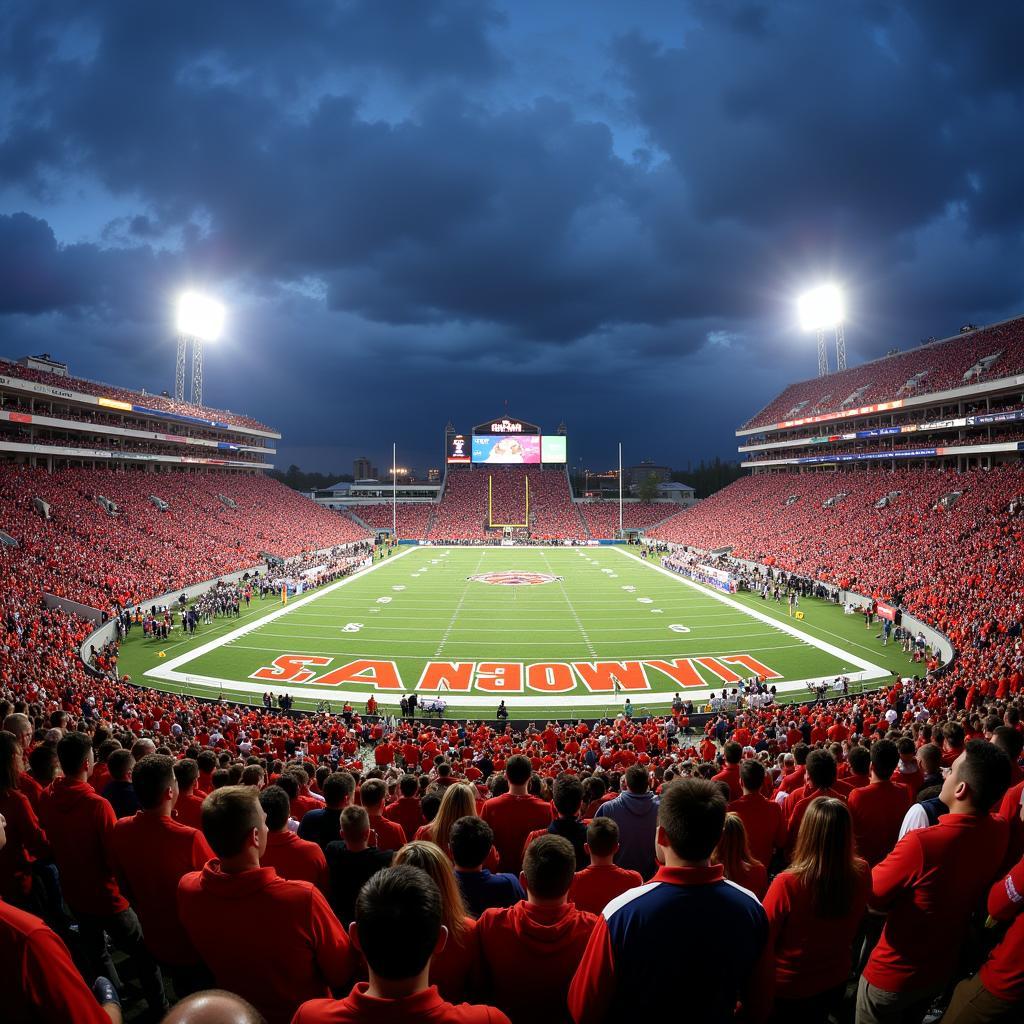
x=125, y=445
x=602, y=517
x=944, y=365
x=8, y=368
x=462, y=513
x=413, y=517
x=84, y=553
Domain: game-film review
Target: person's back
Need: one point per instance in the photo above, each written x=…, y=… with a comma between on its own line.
x=232, y=906
x=351, y=862
x=151, y=853
x=390, y=835
x=399, y=901
x=541, y=938
x=291, y=857
x=761, y=817
x=602, y=880
x=621, y=978
x=515, y=814
x=932, y=882
x=878, y=809
x=635, y=811
x=406, y=810
x=471, y=841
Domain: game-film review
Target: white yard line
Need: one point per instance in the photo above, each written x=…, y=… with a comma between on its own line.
x=579, y=624
x=458, y=608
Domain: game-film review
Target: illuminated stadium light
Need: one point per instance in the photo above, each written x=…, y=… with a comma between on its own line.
x=821, y=308
x=200, y=316
x=200, y=319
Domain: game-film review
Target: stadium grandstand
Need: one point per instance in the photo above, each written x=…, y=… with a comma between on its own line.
x=156, y=845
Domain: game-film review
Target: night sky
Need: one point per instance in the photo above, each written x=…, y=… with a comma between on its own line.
x=599, y=211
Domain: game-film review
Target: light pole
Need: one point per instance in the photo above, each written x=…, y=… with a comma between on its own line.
x=822, y=309
x=200, y=319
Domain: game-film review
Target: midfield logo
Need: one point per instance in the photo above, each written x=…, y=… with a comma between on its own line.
x=515, y=578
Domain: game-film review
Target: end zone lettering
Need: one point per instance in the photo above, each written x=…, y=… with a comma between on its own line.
x=515, y=677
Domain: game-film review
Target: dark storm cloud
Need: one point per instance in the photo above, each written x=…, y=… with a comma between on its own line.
x=391, y=181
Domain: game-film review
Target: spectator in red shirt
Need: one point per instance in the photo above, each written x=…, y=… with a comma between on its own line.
x=814, y=910
x=733, y=853
x=821, y=780
x=762, y=818
x=397, y=901
x=878, y=809
x=291, y=857
x=450, y=968
x=25, y=836
x=953, y=736
x=541, y=938
x=859, y=776
x=730, y=774
x=311, y=951
x=79, y=824
x=390, y=835
x=188, y=806
x=150, y=853
x=930, y=885
x=20, y=726
x=596, y=886
x=515, y=814
x=996, y=992
x=406, y=810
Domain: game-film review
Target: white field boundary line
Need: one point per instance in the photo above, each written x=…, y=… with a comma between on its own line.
x=873, y=671
x=167, y=671
x=219, y=686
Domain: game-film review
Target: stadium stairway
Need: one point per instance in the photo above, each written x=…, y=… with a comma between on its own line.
x=583, y=521
x=348, y=513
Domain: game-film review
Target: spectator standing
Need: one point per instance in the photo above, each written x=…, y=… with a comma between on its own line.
x=620, y=979
x=311, y=951
x=515, y=814
x=390, y=835
x=635, y=811
x=150, y=853
x=471, y=843
x=930, y=884
x=397, y=901
x=814, y=909
x=878, y=809
x=291, y=857
x=25, y=838
x=406, y=810
x=79, y=825
x=597, y=885
x=541, y=938
x=762, y=818
x=322, y=825
x=351, y=861
x=733, y=853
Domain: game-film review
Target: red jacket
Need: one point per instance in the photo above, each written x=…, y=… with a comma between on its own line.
x=595, y=887
x=187, y=810
x=295, y=859
x=528, y=956
x=930, y=884
x=406, y=812
x=150, y=854
x=763, y=820
x=426, y=1007
x=1009, y=810
x=513, y=818
x=79, y=823
x=878, y=811
x=1003, y=973
x=311, y=950
x=25, y=841
x=812, y=953
x=38, y=979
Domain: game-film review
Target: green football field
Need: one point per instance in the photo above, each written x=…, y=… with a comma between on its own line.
x=590, y=628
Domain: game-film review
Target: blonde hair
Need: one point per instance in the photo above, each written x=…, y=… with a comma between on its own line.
x=459, y=801
x=733, y=849
x=431, y=859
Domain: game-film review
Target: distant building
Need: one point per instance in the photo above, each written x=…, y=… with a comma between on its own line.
x=683, y=494
x=361, y=468
x=632, y=476
x=433, y=476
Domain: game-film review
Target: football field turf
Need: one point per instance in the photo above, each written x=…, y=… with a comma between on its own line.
x=552, y=631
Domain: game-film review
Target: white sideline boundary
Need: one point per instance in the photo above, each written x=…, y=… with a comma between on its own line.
x=169, y=672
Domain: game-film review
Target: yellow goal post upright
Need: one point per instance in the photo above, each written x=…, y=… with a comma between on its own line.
x=490, y=507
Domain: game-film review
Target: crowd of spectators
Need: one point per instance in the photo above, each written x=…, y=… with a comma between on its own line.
x=9, y=368
x=413, y=517
x=602, y=517
x=462, y=513
x=945, y=364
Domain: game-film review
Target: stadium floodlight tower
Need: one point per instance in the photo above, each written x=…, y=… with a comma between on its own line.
x=200, y=319
x=822, y=309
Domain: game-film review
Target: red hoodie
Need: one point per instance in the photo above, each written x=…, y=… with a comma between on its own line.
x=311, y=951
x=528, y=956
x=79, y=824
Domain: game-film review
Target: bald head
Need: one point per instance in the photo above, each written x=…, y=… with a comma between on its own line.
x=214, y=1006
x=21, y=726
